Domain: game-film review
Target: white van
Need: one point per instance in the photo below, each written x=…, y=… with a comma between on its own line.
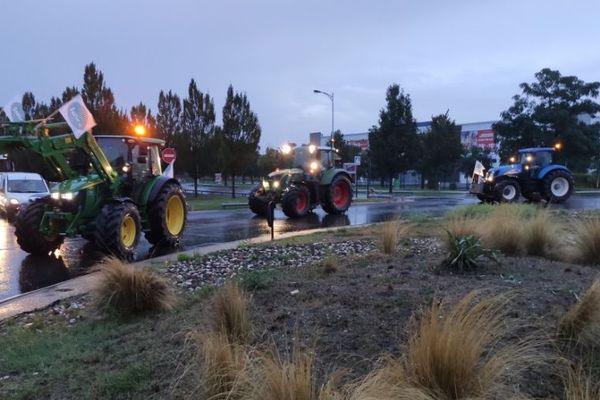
x=17, y=188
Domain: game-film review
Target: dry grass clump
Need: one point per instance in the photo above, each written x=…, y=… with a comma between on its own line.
x=453, y=356
x=224, y=366
x=582, y=322
x=330, y=264
x=391, y=233
x=503, y=230
x=231, y=313
x=541, y=235
x=125, y=290
x=279, y=378
x=580, y=385
x=587, y=241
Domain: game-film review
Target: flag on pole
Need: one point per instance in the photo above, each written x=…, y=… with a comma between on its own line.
x=479, y=168
x=79, y=118
x=14, y=110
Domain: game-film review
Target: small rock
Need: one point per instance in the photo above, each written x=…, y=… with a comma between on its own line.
x=294, y=292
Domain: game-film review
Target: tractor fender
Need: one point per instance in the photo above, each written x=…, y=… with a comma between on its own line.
x=154, y=187
x=549, y=168
x=328, y=176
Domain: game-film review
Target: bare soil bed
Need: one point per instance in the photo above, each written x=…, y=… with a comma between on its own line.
x=350, y=313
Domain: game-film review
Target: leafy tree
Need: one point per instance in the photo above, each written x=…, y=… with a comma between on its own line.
x=69, y=93
x=394, y=142
x=168, y=118
x=198, y=124
x=240, y=135
x=101, y=102
x=442, y=150
x=268, y=162
x=548, y=111
x=28, y=102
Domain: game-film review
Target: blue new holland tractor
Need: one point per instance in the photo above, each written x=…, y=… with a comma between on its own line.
x=535, y=176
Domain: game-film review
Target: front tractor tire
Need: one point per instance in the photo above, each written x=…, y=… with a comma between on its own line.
x=337, y=197
x=257, y=204
x=118, y=229
x=558, y=186
x=27, y=230
x=295, y=201
x=507, y=191
x=167, y=215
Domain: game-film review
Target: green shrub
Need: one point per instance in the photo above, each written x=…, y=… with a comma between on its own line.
x=465, y=252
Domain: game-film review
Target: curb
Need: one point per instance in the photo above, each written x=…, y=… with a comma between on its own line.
x=44, y=297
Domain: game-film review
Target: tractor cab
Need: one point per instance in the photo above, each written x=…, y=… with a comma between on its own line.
x=132, y=156
x=314, y=159
x=534, y=159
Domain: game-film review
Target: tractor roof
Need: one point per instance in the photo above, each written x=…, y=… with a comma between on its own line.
x=136, y=138
x=537, y=150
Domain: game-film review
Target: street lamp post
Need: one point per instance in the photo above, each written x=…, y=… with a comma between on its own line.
x=330, y=95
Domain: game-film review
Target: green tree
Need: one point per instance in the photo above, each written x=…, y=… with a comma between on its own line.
x=549, y=110
x=345, y=151
x=240, y=135
x=101, y=102
x=394, y=142
x=29, y=105
x=442, y=150
x=268, y=162
x=168, y=118
x=198, y=124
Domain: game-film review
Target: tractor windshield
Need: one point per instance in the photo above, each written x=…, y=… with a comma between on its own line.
x=115, y=150
x=540, y=159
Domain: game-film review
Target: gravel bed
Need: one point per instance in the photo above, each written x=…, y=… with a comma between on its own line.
x=214, y=268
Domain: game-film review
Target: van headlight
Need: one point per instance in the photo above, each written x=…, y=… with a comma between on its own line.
x=14, y=202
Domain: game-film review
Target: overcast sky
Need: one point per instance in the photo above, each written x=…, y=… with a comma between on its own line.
x=465, y=56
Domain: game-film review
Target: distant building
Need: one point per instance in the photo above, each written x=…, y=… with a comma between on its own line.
x=478, y=134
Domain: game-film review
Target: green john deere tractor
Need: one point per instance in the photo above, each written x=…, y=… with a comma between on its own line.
x=315, y=180
x=110, y=189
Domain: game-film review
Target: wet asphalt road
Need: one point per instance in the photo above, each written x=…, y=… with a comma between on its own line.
x=20, y=272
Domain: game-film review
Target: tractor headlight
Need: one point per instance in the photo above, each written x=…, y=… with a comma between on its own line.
x=490, y=178
x=14, y=202
x=265, y=185
x=68, y=196
x=276, y=184
x=314, y=166
x=55, y=195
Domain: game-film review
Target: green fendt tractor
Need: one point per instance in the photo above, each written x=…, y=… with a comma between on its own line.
x=315, y=180
x=109, y=189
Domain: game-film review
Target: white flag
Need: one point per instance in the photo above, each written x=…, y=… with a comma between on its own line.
x=14, y=110
x=79, y=118
x=479, y=168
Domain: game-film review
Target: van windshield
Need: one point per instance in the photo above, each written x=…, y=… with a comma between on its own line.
x=26, y=186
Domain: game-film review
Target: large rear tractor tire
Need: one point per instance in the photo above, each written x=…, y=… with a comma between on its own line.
x=27, y=230
x=507, y=191
x=295, y=201
x=558, y=186
x=337, y=196
x=118, y=229
x=257, y=204
x=167, y=215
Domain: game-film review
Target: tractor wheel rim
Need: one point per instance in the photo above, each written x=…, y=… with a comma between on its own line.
x=175, y=215
x=509, y=192
x=559, y=187
x=128, y=231
x=301, y=202
x=341, y=195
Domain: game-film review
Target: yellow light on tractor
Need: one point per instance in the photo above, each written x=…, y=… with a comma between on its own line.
x=529, y=159
x=513, y=159
x=286, y=149
x=558, y=146
x=140, y=130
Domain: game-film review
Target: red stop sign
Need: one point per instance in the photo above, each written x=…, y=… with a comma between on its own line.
x=168, y=155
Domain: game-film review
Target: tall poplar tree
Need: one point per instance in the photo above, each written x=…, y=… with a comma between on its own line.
x=240, y=135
